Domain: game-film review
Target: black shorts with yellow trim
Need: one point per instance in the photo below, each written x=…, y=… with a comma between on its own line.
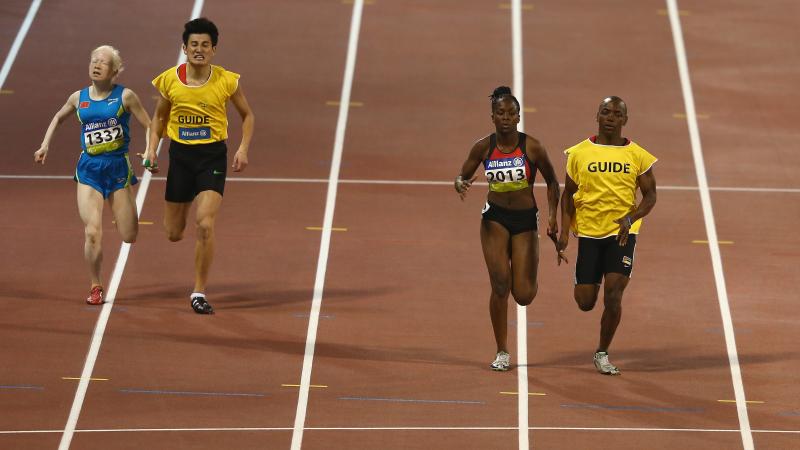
x=514, y=220
x=194, y=169
x=599, y=256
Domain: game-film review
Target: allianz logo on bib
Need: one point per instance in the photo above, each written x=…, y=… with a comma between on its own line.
x=111, y=122
x=189, y=134
x=505, y=163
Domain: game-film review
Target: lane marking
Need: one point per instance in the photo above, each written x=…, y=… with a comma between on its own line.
x=657, y=409
x=528, y=109
x=683, y=116
x=524, y=7
x=111, y=293
x=90, y=379
x=6, y=92
x=529, y=393
x=22, y=386
x=321, y=228
x=711, y=229
x=306, y=316
x=141, y=222
x=746, y=401
x=412, y=400
x=350, y=2
x=522, y=320
x=250, y=429
x=665, y=12
x=327, y=224
x=322, y=386
x=352, y=104
x=417, y=183
x=15, y=46
x=190, y=393
x=706, y=242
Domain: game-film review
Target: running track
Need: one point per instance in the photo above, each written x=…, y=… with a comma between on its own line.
x=388, y=299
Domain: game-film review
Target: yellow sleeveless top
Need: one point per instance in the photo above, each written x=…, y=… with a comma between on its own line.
x=607, y=179
x=198, y=114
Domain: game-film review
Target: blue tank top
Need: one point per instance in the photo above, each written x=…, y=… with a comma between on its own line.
x=104, y=123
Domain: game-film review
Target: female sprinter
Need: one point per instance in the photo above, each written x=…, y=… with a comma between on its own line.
x=510, y=218
x=104, y=171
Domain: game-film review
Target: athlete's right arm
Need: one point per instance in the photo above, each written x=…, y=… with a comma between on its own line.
x=467, y=175
x=567, y=213
x=68, y=109
x=157, y=127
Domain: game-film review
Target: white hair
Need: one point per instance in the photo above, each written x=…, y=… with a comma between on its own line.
x=116, y=60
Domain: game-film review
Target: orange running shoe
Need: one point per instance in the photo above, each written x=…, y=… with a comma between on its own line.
x=95, y=296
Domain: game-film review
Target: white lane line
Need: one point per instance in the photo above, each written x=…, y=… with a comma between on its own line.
x=327, y=225
x=418, y=183
x=522, y=321
x=711, y=231
x=246, y=429
x=105, y=312
x=15, y=46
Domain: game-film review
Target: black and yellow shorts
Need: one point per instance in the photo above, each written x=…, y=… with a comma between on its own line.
x=597, y=257
x=194, y=169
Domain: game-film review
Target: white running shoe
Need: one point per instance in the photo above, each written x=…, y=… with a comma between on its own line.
x=603, y=365
x=501, y=362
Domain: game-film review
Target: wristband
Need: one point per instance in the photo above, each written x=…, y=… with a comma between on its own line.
x=630, y=223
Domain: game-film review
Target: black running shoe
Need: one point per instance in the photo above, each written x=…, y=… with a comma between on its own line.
x=201, y=306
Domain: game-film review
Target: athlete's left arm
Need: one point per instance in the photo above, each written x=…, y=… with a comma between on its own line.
x=538, y=154
x=248, y=121
x=647, y=184
x=132, y=104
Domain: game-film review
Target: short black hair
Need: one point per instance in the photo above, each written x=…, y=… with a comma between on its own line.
x=614, y=99
x=502, y=92
x=200, y=25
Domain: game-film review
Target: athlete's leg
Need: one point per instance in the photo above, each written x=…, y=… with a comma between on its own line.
x=208, y=203
x=586, y=295
x=588, y=272
x=175, y=215
x=123, y=206
x=614, y=286
x=495, y=243
x=90, y=208
x=524, y=266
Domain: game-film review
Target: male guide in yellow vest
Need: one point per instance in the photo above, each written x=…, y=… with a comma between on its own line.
x=199, y=114
x=607, y=179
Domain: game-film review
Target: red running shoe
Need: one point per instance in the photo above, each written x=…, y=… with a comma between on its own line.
x=95, y=296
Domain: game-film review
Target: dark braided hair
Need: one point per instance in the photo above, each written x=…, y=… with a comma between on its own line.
x=502, y=92
x=200, y=25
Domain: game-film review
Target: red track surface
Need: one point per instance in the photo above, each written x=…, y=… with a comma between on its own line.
x=404, y=338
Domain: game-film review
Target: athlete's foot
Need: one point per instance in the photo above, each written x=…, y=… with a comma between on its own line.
x=502, y=362
x=95, y=296
x=200, y=305
x=603, y=365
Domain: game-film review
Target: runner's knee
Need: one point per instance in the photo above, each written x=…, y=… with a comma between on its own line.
x=174, y=235
x=500, y=285
x=525, y=297
x=205, y=228
x=93, y=234
x=585, y=301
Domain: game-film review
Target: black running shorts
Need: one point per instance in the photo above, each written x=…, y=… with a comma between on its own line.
x=514, y=220
x=597, y=257
x=194, y=169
